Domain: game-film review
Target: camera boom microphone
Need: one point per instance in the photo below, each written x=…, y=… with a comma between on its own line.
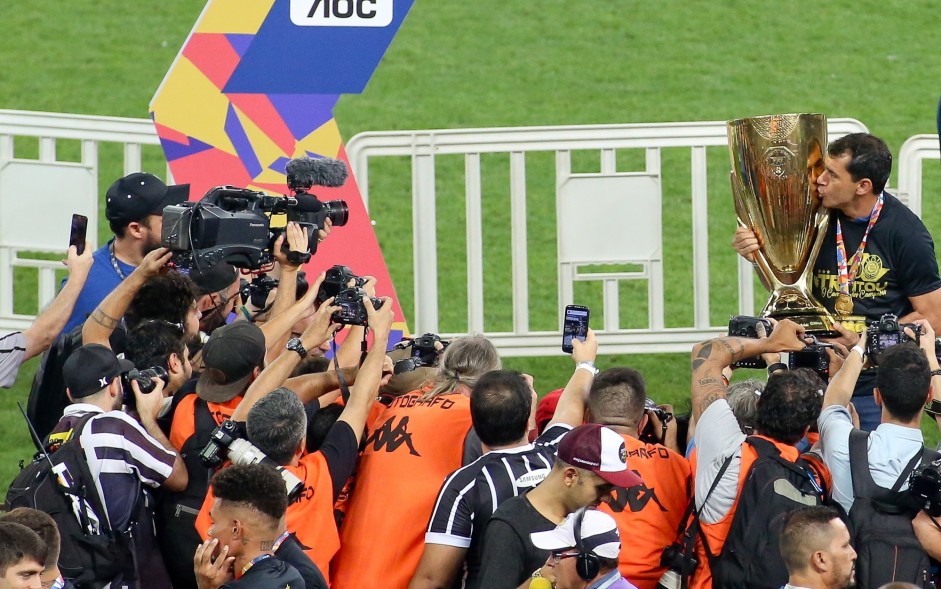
x=304, y=172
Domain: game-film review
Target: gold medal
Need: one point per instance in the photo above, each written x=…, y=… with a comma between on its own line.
x=844, y=304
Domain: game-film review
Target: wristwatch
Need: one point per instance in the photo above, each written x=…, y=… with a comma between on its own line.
x=588, y=365
x=295, y=345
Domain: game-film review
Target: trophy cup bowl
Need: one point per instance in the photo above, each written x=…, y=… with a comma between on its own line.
x=776, y=160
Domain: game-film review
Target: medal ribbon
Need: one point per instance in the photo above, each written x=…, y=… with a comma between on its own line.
x=253, y=562
x=841, y=264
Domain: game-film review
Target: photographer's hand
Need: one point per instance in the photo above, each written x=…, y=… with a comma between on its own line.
x=380, y=319
x=770, y=358
x=78, y=265
x=327, y=228
x=321, y=327
x=786, y=336
x=571, y=407
x=148, y=408
x=926, y=341
x=296, y=237
x=846, y=338
x=154, y=262
x=148, y=404
x=840, y=389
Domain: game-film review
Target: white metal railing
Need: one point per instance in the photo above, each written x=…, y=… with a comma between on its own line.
x=423, y=146
x=38, y=195
x=913, y=153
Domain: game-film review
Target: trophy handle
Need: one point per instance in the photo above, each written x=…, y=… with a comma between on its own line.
x=767, y=277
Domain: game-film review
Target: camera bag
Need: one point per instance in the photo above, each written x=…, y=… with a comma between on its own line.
x=91, y=554
x=880, y=522
x=773, y=487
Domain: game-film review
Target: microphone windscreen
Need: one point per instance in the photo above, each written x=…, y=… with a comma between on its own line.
x=540, y=583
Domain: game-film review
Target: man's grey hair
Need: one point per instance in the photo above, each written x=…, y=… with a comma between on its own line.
x=276, y=424
x=743, y=400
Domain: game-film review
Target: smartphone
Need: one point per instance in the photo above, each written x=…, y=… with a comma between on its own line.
x=77, y=234
x=575, y=325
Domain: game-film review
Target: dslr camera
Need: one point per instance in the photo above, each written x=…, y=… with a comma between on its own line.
x=924, y=486
x=680, y=565
x=145, y=380
x=745, y=326
x=352, y=308
x=885, y=333
x=226, y=442
x=649, y=436
x=336, y=280
x=814, y=357
x=424, y=353
x=259, y=289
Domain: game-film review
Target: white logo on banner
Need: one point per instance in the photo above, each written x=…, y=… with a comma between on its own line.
x=341, y=13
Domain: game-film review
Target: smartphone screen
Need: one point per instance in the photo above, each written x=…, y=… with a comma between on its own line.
x=575, y=325
x=77, y=234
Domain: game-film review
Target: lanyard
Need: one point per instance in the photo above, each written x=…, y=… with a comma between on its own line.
x=253, y=562
x=114, y=260
x=279, y=541
x=841, y=262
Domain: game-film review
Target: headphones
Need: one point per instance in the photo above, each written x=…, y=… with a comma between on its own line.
x=587, y=564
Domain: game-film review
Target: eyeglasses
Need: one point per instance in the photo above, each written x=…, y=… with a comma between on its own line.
x=557, y=556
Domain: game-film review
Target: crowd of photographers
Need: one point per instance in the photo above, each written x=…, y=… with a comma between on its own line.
x=193, y=433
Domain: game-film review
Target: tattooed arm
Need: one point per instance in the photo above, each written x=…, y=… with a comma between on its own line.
x=710, y=357
x=106, y=316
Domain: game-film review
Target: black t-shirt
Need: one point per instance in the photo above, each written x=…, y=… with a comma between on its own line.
x=292, y=552
x=898, y=262
x=270, y=573
x=509, y=556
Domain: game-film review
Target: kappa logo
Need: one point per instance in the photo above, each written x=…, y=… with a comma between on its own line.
x=392, y=437
x=635, y=498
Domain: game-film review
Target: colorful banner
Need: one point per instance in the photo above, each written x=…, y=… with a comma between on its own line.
x=255, y=85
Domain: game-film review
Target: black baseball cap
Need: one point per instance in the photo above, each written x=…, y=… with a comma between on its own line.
x=214, y=278
x=91, y=368
x=137, y=195
x=229, y=357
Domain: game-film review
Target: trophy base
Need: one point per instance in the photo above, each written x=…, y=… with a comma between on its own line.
x=814, y=323
x=796, y=303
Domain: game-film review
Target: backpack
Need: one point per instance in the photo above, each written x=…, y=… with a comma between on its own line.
x=47, y=397
x=91, y=554
x=774, y=487
x=880, y=522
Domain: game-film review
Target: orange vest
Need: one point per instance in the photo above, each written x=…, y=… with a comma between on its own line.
x=310, y=517
x=648, y=515
x=184, y=418
x=717, y=533
x=408, y=452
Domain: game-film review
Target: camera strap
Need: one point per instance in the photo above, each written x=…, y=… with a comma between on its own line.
x=344, y=388
x=695, y=527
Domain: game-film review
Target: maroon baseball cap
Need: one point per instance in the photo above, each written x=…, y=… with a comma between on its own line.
x=600, y=450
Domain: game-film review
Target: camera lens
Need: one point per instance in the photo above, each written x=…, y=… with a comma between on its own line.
x=338, y=212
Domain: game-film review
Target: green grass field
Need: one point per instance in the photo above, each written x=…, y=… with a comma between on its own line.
x=488, y=63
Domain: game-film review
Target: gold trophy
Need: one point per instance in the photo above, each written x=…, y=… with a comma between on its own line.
x=775, y=163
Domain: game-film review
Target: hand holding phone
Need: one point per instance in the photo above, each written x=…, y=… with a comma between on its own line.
x=77, y=233
x=575, y=325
